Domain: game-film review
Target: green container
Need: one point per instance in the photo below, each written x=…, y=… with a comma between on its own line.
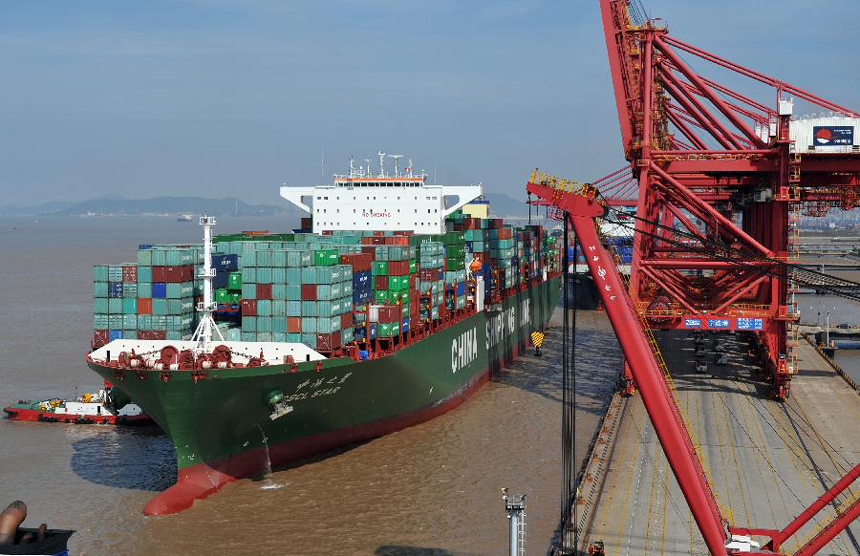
x=388, y=329
x=380, y=268
x=326, y=257
x=279, y=275
x=159, y=258
x=413, y=266
x=129, y=305
x=294, y=292
x=279, y=308
x=100, y=321
x=248, y=258
x=144, y=322
x=264, y=308
x=398, y=283
x=129, y=322
x=115, y=305
x=309, y=309
x=144, y=290
x=221, y=295
x=264, y=275
x=324, y=292
x=115, y=322
x=309, y=325
x=249, y=324
x=144, y=273
x=159, y=306
x=100, y=289
x=100, y=305
x=381, y=297
x=144, y=257
x=249, y=291
x=100, y=273
x=309, y=275
x=248, y=275
x=234, y=280
x=129, y=289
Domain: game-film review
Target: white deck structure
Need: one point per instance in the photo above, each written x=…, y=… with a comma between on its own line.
x=364, y=200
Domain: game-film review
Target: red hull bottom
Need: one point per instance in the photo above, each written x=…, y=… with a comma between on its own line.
x=201, y=480
x=24, y=414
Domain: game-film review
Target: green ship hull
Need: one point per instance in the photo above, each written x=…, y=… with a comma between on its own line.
x=220, y=420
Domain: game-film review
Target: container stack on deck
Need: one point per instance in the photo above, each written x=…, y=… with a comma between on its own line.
x=325, y=291
x=152, y=299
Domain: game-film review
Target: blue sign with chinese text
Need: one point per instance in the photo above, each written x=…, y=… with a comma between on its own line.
x=750, y=324
x=718, y=323
x=692, y=323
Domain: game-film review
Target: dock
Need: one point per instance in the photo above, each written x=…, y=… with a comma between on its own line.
x=766, y=460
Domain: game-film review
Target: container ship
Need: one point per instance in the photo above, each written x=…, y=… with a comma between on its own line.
x=391, y=305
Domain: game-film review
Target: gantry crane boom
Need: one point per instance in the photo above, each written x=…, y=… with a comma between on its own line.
x=581, y=206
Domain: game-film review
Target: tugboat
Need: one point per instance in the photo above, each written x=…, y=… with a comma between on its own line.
x=101, y=408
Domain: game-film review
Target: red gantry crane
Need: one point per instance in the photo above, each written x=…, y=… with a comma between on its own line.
x=727, y=170
x=581, y=205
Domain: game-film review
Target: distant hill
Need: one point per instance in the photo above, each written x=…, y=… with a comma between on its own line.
x=38, y=210
x=503, y=205
x=119, y=206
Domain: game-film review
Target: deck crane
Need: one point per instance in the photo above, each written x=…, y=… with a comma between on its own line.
x=581, y=205
x=727, y=167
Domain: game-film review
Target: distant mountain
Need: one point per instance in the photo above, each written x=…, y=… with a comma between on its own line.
x=38, y=210
x=503, y=205
x=120, y=206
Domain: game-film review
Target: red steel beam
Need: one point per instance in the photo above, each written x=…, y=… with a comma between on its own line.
x=833, y=528
x=665, y=418
x=702, y=86
x=698, y=111
x=779, y=85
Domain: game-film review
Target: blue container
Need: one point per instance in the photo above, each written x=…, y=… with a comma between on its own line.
x=159, y=290
x=404, y=324
x=220, y=280
x=114, y=335
x=461, y=289
x=362, y=353
x=373, y=331
x=114, y=289
x=362, y=296
x=361, y=279
x=225, y=263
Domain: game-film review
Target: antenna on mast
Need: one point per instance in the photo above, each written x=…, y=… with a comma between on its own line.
x=409, y=170
x=381, y=164
x=203, y=334
x=396, y=157
x=368, y=167
x=351, y=166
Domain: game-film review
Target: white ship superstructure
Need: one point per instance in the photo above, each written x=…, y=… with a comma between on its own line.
x=366, y=200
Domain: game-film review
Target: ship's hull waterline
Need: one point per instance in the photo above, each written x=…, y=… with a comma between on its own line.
x=220, y=422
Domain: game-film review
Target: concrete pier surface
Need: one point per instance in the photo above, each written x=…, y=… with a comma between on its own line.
x=767, y=461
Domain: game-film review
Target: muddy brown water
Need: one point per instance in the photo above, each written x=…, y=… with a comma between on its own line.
x=432, y=489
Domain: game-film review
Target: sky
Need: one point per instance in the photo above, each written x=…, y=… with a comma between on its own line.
x=223, y=98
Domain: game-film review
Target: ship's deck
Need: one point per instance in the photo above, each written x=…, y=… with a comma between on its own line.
x=767, y=460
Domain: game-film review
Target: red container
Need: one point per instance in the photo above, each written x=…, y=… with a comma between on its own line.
x=358, y=261
x=129, y=274
x=158, y=274
x=505, y=233
x=481, y=257
x=389, y=313
x=294, y=325
x=380, y=282
x=144, y=306
x=249, y=307
x=264, y=291
x=412, y=281
x=307, y=223
x=309, y=292
x=158, y=335
x=369, y=250
x=346, y=320
x=100, y=338
x=398, y=268
x=177, y=274
x=328, y=342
